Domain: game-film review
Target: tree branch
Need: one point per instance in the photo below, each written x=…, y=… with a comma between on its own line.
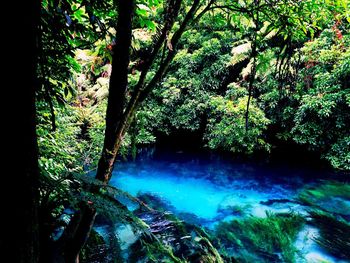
x=174, y=41
x=158, y=45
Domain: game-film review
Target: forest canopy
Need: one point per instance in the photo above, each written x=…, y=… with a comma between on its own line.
x=246, y=76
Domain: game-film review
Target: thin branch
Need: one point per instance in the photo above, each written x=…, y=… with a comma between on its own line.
x=253, y=71
x=48, y=90
x=139, y=96
x=158, y=45
x=206, y=9
x=174, y=41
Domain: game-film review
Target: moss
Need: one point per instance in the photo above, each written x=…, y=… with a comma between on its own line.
x=88, y=253
x=99, y=250
x=334, y=234
x=263, y=239
x=150, y=249
x=172, y=240
x=207, y=252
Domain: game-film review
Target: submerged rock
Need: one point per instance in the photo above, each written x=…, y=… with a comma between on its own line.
x=274, y=201
x=334, y=234
x=278, y=206
x=101, y=249
x=309, y=249
x=127, y=236
x=155, y=201
x=172, y=240
x=231, y=210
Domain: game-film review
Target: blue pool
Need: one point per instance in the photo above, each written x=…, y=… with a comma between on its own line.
x=206, y=188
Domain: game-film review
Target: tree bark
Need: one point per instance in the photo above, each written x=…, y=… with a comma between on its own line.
x=118, y=124
x=117, y=88
x=79, y=229
x=28, y=206
x=19, y=238
x=77, y=232
x=117, y=119
x=253, y=70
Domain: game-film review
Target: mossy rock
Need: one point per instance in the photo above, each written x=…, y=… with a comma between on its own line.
x=171, y=240
x=94, y=248
x=99, y=250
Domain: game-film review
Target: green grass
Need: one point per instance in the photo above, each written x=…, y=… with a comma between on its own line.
x=325, y=190
x=268, y=239
x=334, y=234
x=330, y=197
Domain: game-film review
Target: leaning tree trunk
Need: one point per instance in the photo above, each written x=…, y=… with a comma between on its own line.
x=117, y=88
x=118, y=120
x=78, y=231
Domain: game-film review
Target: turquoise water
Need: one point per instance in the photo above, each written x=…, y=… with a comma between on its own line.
x=193, y=195
x=206, y=189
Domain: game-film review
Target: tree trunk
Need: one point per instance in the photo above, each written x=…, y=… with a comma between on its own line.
x=19, y=238
x=117, y=125
x=77, y=232
x=117, y=88
x=118, y=119
x=253, y=70
x=79, y=229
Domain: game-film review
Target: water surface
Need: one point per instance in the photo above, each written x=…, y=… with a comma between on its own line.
x=208, y=188
x=205, y=189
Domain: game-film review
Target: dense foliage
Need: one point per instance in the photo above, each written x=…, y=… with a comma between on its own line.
x=322, y=118
x=300, y=87
x=244, y=76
